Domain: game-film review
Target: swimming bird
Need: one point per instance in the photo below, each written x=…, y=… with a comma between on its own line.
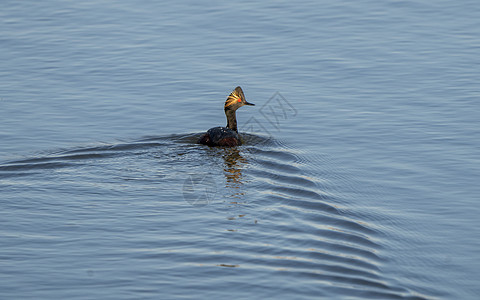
x=227, y=136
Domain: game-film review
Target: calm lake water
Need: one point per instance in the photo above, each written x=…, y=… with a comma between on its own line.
x=358, y=178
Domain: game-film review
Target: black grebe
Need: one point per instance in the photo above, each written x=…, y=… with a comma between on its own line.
x=227, y=136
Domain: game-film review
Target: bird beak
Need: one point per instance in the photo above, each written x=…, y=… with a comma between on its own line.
x=248, y=103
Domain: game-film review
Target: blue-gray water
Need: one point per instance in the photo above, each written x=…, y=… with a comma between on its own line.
x=358, y=178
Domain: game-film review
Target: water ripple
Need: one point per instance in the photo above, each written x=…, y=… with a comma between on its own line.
x=269, y=214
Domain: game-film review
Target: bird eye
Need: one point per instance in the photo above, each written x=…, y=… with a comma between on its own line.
x=239, y=100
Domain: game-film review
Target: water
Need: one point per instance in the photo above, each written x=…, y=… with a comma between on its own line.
x=358, y=177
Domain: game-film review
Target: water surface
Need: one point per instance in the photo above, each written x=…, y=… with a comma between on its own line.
x=357, y=179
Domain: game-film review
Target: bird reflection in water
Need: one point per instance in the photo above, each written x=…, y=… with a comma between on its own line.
x=234, y=163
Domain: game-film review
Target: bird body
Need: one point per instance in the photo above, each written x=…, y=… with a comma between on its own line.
x=227, y=136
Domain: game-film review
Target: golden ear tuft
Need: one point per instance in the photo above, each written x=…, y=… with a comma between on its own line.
x=235, y=96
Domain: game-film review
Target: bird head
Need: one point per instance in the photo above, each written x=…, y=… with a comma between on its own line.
x=236, y=99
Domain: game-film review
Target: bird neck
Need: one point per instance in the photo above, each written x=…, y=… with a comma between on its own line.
x=231, y=119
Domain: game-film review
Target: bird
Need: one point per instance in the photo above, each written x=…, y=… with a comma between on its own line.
x=227, y=136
